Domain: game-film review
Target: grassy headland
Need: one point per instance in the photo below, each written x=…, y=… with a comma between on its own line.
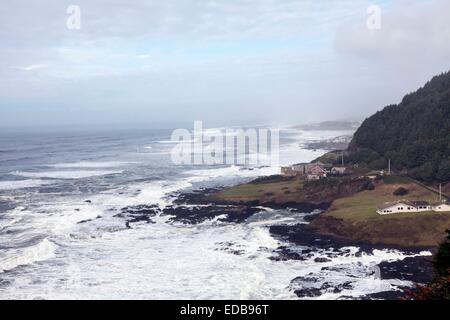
x=352, y=203
x=290, y=190
x=355, y=218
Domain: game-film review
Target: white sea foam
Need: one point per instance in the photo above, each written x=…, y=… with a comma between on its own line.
x=22, y=184
x=206, y=261
x=61, y=218
x=357, y=270
x=12, y=258
x=10, y=218
x=72, y=174
x=231, y=171
x=101, y=259
x=157, y=192
x=93, y=164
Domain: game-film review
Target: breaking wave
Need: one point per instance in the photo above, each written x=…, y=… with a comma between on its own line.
x=13, y=258
x=22, y=184
x=73, y=174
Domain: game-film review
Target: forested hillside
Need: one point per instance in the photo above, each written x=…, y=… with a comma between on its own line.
x=414, y=134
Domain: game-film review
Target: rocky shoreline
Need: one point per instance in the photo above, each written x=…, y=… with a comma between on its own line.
x=195, y=207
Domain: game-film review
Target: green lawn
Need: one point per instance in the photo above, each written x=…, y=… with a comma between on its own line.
x=358, y=220
x=362, y=206
x=279, y=191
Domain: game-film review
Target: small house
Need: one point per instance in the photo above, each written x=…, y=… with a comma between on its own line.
x=396, y=207
x=313, y=171
x=339, y=171
x=404, y=206
x=316, y=172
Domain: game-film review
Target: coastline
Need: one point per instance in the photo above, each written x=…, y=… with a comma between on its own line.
x=197, y=207
x=347, y=205
x=203, y=206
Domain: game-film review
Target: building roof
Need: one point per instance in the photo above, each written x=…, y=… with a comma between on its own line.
x=404, y=202
x=420, y=203
x=435, y=204
x=387, y=205
x=317, y=169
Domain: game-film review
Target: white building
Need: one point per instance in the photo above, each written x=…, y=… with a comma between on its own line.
x=396, y=207
x=441, y=207
x=313, y=171
x=411, y=206
x=339, y=171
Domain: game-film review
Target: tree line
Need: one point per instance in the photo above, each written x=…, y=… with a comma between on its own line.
x=414, y=135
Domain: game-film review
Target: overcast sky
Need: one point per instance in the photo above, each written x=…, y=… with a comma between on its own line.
x=224, y=62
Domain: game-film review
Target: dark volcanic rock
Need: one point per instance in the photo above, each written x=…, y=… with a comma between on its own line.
x=84, y=221
x=202, y=196
x=141, y=213
x=193, y=215
x=309, y=286
x=321, y=260
x=305, y=235
x=386, y=295
x=416, y=269
x=308, y=292
x=329, y=287
x=230, y=247
x=196, y=197
x=285, y=253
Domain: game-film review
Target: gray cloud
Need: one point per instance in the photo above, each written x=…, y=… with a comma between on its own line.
x=229, y=61
x=412, y=45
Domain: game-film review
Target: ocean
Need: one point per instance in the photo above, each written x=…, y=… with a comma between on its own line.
x=61, y=236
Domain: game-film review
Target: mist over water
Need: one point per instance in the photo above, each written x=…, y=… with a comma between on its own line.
x=61, y=235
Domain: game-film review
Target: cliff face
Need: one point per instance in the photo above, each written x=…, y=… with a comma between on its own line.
x=413, y=134
x=419, y=231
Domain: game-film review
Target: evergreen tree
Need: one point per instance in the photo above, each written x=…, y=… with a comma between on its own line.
x=413, y=134
x=442, y=258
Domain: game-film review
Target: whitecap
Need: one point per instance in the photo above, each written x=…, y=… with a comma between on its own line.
x=73, y=174
x=22, y=184
x=231, y=171
x=13, y=258
x=92, y=164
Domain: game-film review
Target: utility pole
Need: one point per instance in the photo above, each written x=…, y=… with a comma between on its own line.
x=440, y=192
x=389, y=170
x=343, y=163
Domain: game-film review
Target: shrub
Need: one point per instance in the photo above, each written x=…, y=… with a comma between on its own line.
x=439, y=288
x=401, y=192
x=378, y=164
x=442, y=258
x=366, y=186
x=370, y=186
